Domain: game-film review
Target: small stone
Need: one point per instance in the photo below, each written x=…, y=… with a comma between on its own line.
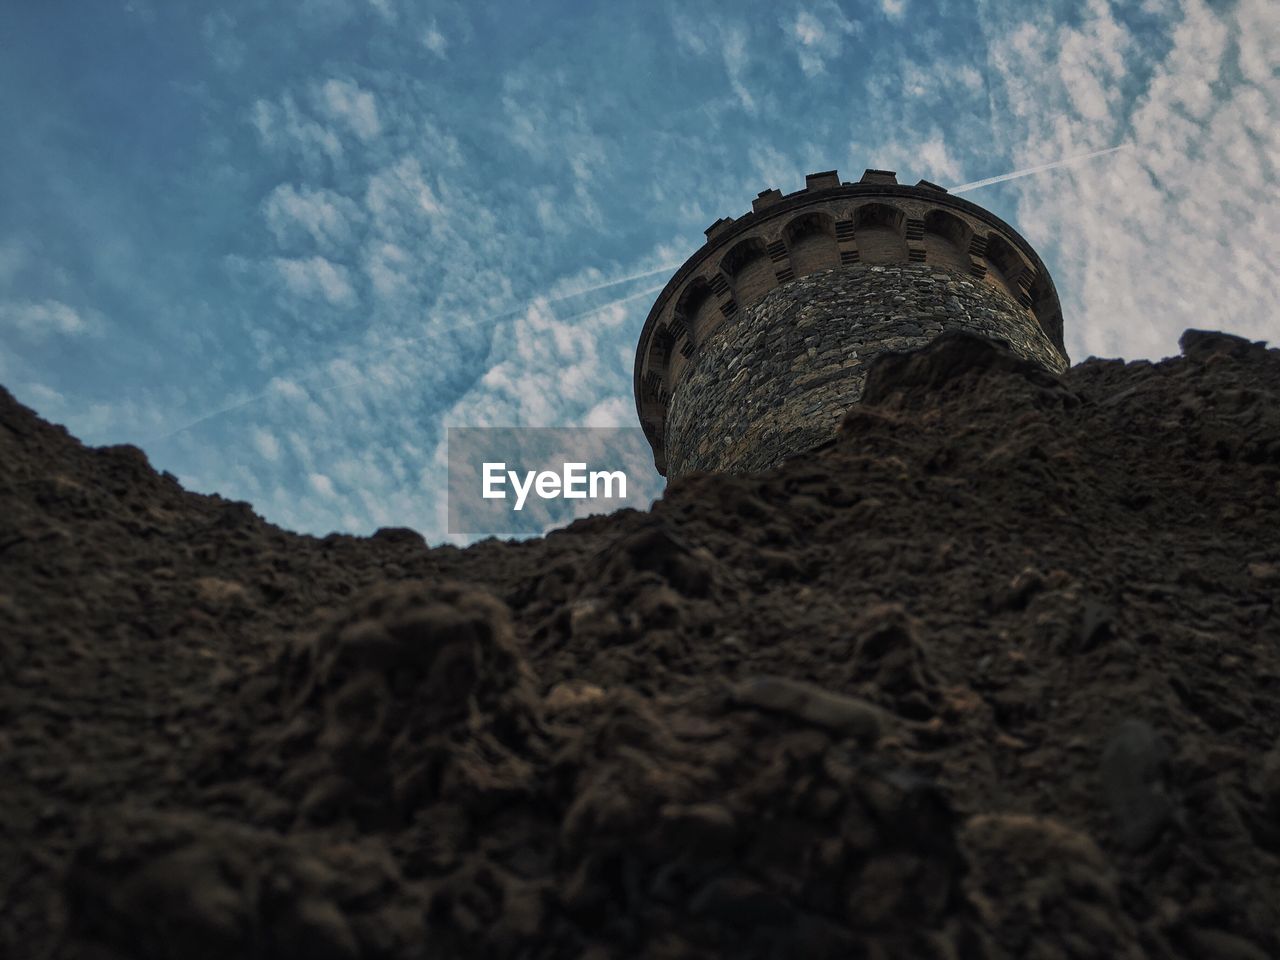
x=707, y=828
x=812, y=704
x=740, y=900
x=215, y=595
x=1266, y=572
x=1095, y=624
x=1220, y=945
x=572, y=695
x=1269, y=781
x=1133, y=781
x=318, y=929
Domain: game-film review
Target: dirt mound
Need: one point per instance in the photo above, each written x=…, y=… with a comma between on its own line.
x=415, y=692
x=995, y=674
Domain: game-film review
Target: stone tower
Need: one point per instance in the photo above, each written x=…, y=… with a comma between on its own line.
x=758, y=344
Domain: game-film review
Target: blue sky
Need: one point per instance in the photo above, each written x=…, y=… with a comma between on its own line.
x=283, y=246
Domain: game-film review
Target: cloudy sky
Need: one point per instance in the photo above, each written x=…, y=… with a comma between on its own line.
x=282, y=246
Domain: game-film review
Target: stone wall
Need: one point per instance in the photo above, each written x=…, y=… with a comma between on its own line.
x=777, y=380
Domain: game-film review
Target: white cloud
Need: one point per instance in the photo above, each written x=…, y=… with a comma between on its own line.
x=400, y=191
x=282, y=128
x=1258, y=37
x=42, y=398
x=611, y=412
x=893, y=9
x=346, y=102
x=322, y=485
x=688, y=34
x=969, y=78
x=935, y=160
x=927, y=157
x=1091, y=59
x=385, y=9
x=733, y=47
x=808, y=29
x=544, y=371
x=316, y=277
x=930, y=81
x=389, y=268
x=141, y=9
x=1073, y=72
x=323, y=216
x=286, y=389
x=818, y=35
x=226, y=49
x=13, y=258
x=143, y=414
x=547, y=119
x=728, y=42
x=435, y=41
x=36, y=320
x=265, y=442
x=919, y=83
x=1179, y=230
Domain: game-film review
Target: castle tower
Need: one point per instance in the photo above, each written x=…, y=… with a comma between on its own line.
x=759, y=343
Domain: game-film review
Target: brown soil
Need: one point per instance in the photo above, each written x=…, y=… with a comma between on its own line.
x=996, y=674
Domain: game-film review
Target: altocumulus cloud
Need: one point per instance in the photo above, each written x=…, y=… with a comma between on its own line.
x=819, y=34
x=37, y=321
x=266, y=443
x=344, y=101
x=316, y=277
x=297, y=216
x=1181, y=229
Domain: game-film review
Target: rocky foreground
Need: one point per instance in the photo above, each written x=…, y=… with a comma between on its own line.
x=996, y=674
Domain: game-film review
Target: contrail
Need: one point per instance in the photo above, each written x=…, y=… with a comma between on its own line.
x=665, y=269
x=1030, y=170
x=214, y=414
x=613, y=303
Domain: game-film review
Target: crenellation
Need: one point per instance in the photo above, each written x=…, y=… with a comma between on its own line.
x=827, y=180
x=766, y=199
x=879, y=176
x=719, y=227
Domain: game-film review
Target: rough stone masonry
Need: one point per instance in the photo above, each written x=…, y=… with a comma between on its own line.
x=759, y=343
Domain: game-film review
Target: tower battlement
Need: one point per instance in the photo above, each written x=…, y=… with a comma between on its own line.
x=756, y=346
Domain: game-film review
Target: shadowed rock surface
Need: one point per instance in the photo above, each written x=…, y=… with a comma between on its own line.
x=995, y=674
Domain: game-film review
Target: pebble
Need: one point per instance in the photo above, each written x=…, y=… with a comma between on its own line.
x=812, y=704
x=1133, y=782
x=737, y=899
x=1220, y=945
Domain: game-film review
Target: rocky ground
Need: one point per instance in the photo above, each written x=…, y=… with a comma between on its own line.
x=996, y=674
